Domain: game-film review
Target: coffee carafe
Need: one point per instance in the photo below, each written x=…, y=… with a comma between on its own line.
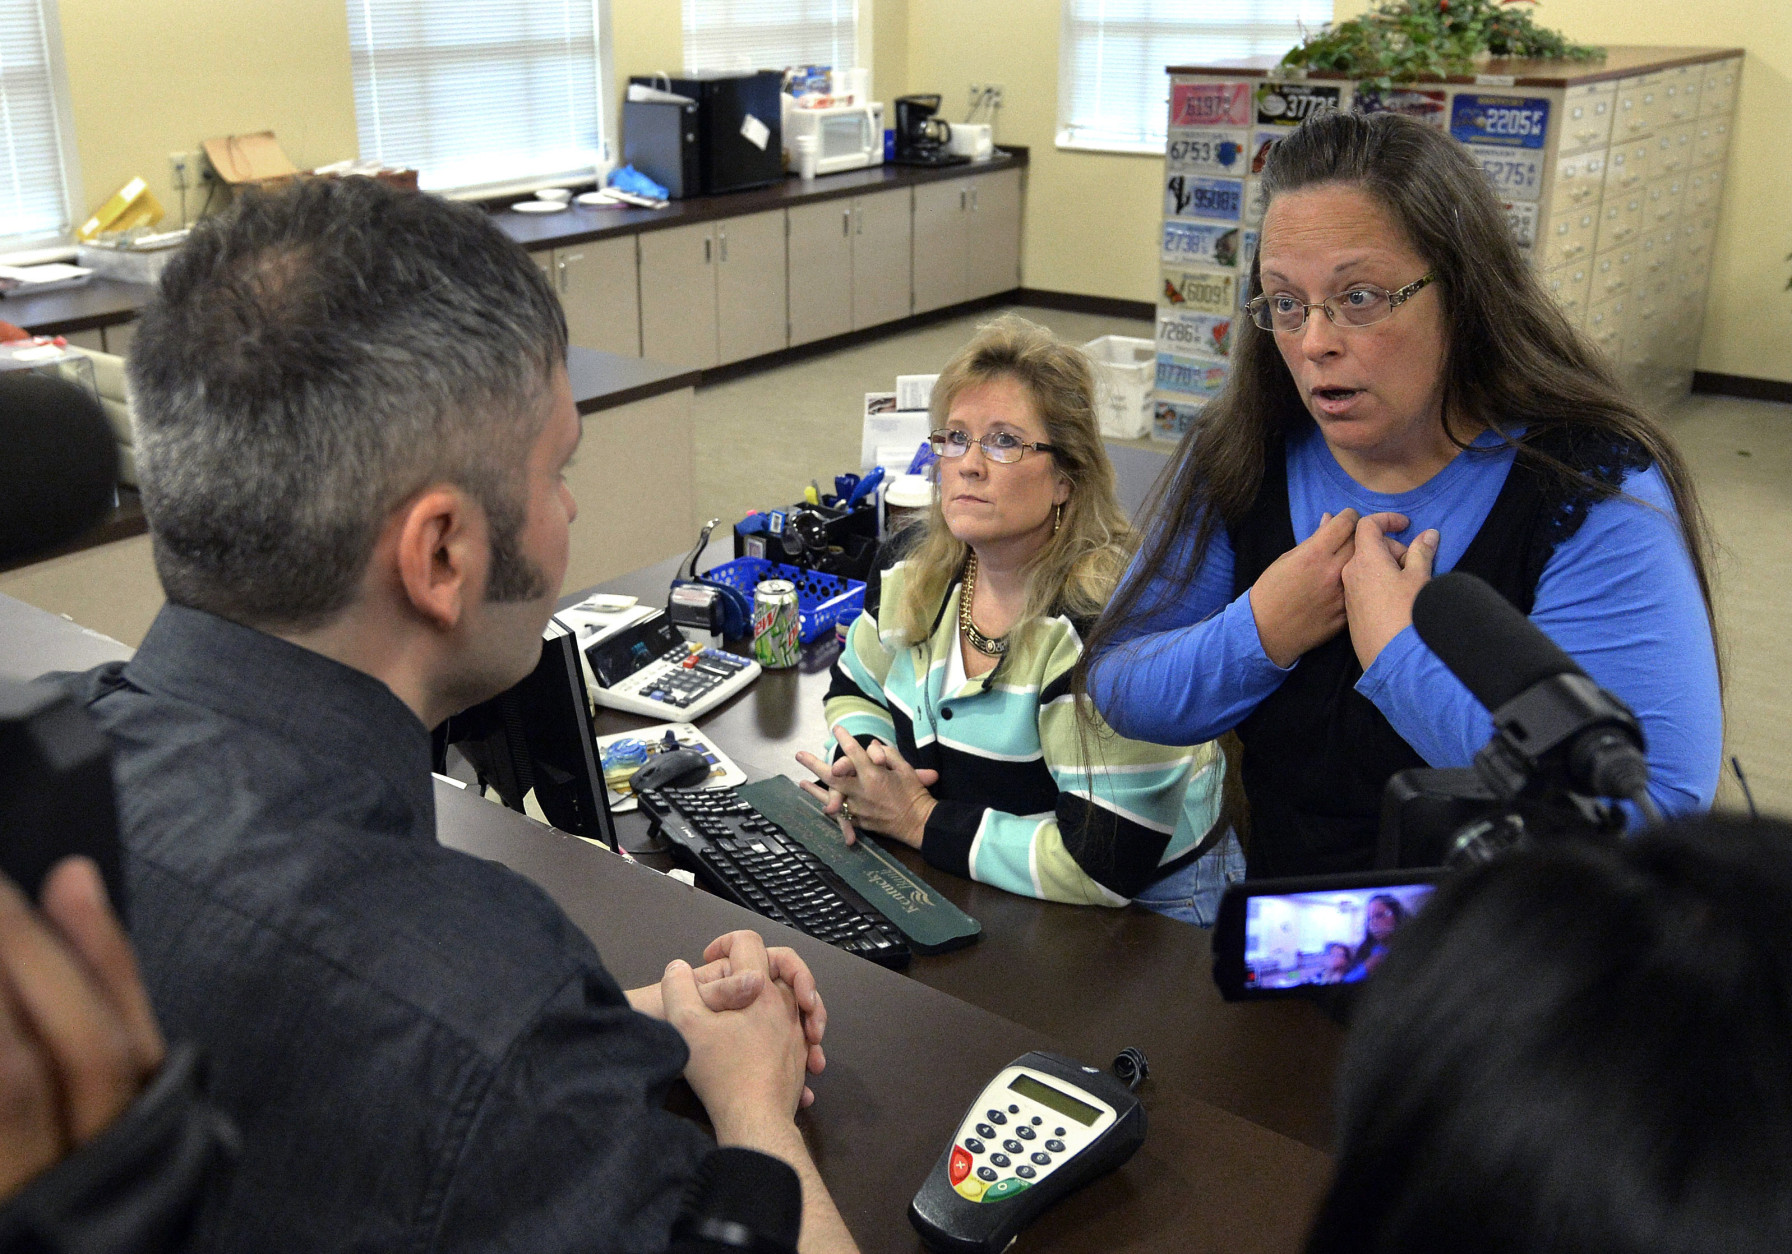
x=921, y=137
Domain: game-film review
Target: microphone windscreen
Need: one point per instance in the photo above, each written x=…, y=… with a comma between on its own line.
x=741, y=1200
x=58, y=463
x=1494, y=650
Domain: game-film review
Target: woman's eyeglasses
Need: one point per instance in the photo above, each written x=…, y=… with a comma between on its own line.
x=1363, y=305
x=997, y=446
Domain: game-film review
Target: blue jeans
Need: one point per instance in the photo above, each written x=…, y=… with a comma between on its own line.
x=1192, y=894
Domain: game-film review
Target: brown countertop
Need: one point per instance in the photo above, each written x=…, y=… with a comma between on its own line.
x=580, y=224
x=96, y=303
x=1621, y=61
x=107, y=302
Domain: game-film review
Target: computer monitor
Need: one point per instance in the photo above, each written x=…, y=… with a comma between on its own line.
x=537, y=737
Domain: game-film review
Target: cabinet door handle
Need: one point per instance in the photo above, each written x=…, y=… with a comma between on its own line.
x=722, y=233
x=962, y=196
x=706, y=250
x=846, y=222
x=973, y=200
x=560, y=267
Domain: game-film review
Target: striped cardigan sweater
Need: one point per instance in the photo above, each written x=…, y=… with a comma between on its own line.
x=1027, y=800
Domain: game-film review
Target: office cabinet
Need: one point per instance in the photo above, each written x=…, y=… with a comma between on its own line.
x=939, y=244
x=751, y=286
x=967, y=239
x=597, y=285
x=678, y=295
x=992, y=262
x=882, y=257
x=1611, y=174
x=849, y=264
x=821, y=278
x=714, y=292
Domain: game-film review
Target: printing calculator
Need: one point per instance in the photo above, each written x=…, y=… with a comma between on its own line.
x=1043, y=1128
x=647, y=668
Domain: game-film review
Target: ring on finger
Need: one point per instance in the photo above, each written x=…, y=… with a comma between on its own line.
x=846, y=810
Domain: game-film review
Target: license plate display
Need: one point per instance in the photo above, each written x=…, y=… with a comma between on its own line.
x=1431, y=107
x=1190, y=376
x=1521, y=216
x=1181, y=332
x=1261, y=143
x=1201, y=243
x=1205, y=152
x=1290, y=104
x=1194, y=196
x=1210, y=104
x=1256, y=200
x=1200, y=291
x=1515, y=173
x=1500, y=121
x=1249, y=258
x=1172, y=420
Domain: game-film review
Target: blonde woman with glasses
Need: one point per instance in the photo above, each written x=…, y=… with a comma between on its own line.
x=955, y=730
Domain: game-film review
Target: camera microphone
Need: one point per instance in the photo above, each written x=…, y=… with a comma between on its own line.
x=1553, y=726
x=741, y=1201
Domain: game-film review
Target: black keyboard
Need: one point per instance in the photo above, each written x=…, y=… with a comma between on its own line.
x=740, y=854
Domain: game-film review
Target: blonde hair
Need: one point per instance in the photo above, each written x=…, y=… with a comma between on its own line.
x=1076, y=570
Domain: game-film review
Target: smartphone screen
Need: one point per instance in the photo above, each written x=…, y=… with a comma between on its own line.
x=1276, y=938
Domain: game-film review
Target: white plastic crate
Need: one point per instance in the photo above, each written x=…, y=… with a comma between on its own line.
x=1125, y=373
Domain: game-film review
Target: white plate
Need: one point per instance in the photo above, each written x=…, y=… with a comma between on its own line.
x=539, y=206
x=594, y=198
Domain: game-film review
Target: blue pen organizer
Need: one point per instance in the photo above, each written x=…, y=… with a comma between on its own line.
x=822, y=600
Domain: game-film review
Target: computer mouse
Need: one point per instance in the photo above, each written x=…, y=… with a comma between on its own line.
x=682, y=768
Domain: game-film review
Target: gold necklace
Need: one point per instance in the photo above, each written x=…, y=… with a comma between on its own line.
x=989, y=646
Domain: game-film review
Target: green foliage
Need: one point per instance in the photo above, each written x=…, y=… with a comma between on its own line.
x=1407, y=39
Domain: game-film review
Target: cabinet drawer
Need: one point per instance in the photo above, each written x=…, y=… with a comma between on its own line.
x=1717, y=94
x=1661, y=202
x=1710, y=140
x=1637, y=112
x=1695, y=245
x=1568, y=287
x=1579, y=179
x=1656, y=254
x=1704, y=190
x=1620, y=219
x=1611, y=272
x=1587, y=117
x=1673, y=153
x=1605, y=325
x=1627, y=167
x=1570, y=237
x=1679, y=94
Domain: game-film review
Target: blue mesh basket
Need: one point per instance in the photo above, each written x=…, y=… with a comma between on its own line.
x=821, y=600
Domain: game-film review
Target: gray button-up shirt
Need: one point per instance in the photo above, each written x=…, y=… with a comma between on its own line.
x=420, y=1050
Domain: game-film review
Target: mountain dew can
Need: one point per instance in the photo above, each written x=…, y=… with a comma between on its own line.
x=777, y=638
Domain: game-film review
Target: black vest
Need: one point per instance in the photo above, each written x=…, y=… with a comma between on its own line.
x=1318, y=754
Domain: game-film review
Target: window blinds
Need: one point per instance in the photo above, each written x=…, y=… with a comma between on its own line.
x=770, y=34
x=478, y=96
x=1112, y=92
x=34, y=178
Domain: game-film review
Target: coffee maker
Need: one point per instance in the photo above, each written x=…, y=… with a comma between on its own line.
x=921, y=137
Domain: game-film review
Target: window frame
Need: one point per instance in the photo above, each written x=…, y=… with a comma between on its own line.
x=57, y=241
x=608, y=124
x=1065, y=134
x=861, y=51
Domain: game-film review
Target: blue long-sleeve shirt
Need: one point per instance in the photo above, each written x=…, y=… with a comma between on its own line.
x=1620, y=597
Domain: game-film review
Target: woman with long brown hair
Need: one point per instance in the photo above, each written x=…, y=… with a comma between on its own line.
x=1405, y=399
x=955, y=728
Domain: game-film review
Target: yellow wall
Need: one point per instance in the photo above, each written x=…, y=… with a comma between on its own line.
x=149, y=77
x=1092, y=218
